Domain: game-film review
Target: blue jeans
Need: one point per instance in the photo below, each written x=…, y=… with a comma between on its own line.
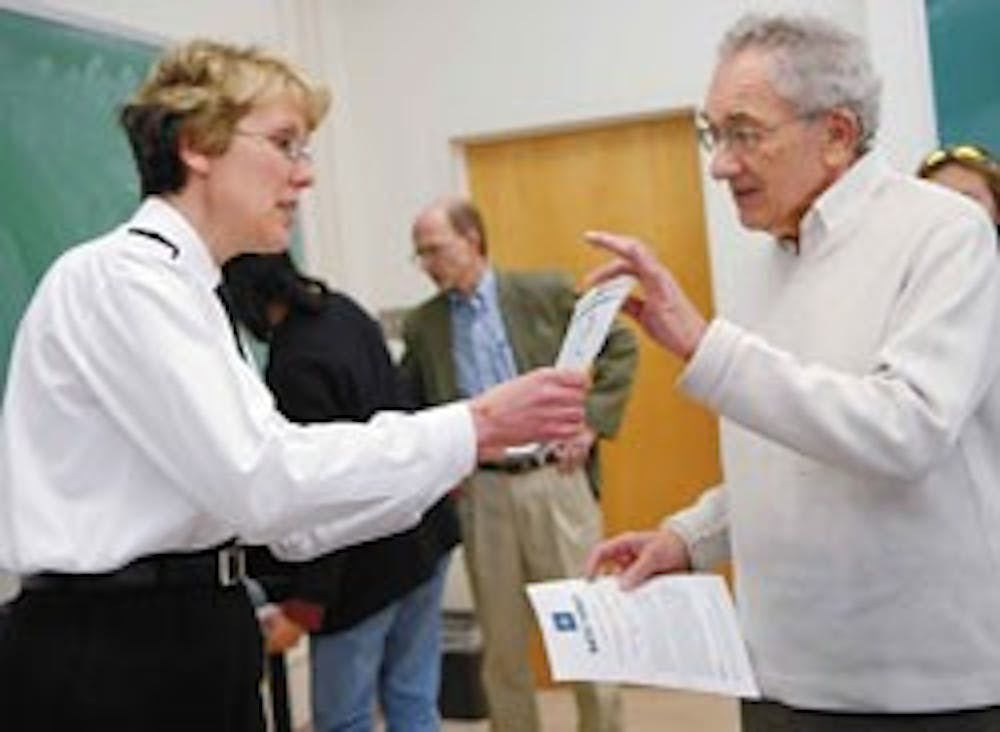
x=396, y=652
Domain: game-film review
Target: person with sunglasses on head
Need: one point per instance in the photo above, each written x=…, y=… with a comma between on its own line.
x=860, y=509
x=139, y=449
x=968, y=169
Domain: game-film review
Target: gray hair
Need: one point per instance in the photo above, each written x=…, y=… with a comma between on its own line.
x=819, y=65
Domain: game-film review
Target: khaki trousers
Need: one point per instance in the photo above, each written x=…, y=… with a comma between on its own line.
x=520, y=528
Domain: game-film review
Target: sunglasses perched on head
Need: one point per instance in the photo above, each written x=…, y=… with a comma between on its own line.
x=957, y=153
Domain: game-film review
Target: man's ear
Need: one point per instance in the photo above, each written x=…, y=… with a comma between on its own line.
x=842, y=133
x=473, y=236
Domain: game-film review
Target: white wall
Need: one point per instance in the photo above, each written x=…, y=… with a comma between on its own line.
x=413, y=77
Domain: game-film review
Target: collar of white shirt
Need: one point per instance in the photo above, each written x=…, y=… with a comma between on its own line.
x=843, y=202
x=156, y=215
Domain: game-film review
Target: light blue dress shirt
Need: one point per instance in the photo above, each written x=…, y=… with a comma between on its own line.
x=482, y=353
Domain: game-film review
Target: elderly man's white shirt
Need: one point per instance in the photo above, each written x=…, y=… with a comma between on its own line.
x=865, y=524
x=132, y=426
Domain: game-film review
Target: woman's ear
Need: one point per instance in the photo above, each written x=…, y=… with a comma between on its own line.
x=194, y=160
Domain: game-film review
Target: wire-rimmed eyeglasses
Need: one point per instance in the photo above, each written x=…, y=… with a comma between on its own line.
x=740, y=137
x=294, y=149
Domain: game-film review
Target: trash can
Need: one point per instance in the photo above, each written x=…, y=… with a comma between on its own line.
x=462, y=695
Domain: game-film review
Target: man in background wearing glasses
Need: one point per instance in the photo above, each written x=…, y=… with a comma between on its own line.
x=531, y=516
x=862, y=520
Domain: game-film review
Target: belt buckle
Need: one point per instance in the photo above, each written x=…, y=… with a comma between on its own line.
x=527, y=463
x=530, y=461
x=543, y=457
x=232, y=566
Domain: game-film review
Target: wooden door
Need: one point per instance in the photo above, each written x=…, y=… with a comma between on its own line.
x=538, y=194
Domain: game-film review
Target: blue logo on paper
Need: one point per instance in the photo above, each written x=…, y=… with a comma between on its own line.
x=564, y=621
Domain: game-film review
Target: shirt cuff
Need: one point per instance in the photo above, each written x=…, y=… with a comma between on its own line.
x=455, y=421
x=705, y=373
x=706, y=538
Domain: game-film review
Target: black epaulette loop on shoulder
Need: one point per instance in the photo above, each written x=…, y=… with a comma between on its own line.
x=157, y=237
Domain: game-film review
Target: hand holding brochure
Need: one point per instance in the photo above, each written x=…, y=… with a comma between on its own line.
x=676, y=631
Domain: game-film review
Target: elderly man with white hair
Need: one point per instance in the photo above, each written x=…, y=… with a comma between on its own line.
x=863, y=523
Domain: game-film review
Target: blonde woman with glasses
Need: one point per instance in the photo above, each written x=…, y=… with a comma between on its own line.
x=138, y=449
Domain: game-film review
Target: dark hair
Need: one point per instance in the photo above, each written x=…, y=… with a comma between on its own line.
x=152, y=133
x=254, y=281
x=465, y=218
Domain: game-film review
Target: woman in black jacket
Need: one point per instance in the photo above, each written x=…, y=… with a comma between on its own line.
x=374, y=610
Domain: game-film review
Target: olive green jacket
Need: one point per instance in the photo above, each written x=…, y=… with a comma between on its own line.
x=536, y=307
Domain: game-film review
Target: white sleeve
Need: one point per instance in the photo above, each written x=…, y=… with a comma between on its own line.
x=934, y=366
x=170, y=376
x=387, y=504
x=704, y=527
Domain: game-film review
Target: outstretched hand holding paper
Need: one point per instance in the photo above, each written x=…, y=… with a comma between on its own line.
x=675, y=630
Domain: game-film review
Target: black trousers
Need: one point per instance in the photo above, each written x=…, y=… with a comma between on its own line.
x=176, y=658
x=767, y=716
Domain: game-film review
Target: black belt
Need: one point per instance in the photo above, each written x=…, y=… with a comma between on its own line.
x=220, y=566
x=520, y=463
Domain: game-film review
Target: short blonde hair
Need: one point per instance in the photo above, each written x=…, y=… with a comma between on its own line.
x=201, y=90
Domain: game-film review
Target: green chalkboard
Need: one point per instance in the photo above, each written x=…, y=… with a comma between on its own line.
x=66, y=173
x=966, y=70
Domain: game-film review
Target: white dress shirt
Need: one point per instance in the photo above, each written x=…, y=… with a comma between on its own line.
x=864, y=517
x=131, y=425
